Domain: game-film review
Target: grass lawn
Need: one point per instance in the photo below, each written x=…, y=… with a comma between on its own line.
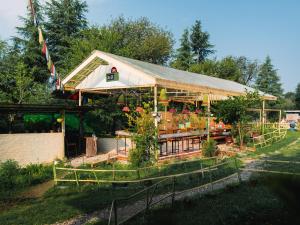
x=265, y=199
x=59, y=204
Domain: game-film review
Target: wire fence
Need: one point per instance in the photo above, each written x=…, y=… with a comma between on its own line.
x=156, y=172
x=143, y=201
x=171, y=187
x=269, y=138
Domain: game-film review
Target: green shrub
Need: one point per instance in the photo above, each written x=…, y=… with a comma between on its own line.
x=14, y=178
x=209, y=148
x=9, y=175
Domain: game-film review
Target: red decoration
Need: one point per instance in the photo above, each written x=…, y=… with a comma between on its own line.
x=74, y=96
x=197, y=111
x=172, y=110
x=185, y=111
x=139, y=109
x=126, y=109
x=44, y=49
x=113, y=70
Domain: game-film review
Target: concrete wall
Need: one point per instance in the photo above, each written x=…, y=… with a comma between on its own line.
x=32, y=148
x=105, y=145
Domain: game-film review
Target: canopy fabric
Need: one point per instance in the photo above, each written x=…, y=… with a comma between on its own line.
x=136, y=74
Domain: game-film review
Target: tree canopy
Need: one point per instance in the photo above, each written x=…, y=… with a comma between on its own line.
x=200, y=44
x=139, y=39
x=183, y=58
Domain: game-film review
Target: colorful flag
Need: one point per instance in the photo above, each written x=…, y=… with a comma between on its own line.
x=49, y=63
x=44, y=49
x=41, y=38
x=47, y=54
x=52, y=70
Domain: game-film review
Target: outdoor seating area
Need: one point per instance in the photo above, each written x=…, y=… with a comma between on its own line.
x=181, y=109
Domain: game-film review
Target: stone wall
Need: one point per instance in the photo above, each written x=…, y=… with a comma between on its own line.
x=32, y=147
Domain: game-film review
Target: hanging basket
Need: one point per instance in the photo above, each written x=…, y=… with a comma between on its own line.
x=126, y=109
x=163, y=97
x=121, y=100
x=59, y=120
x=139, y=109
x=197, y=111
x=185, y=111
x=205, y=100
x=172, y=110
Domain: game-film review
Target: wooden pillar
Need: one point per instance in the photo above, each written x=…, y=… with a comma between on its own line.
x=155, y=106
x=80, y=98
x=279, y=120
x=263, y=116
x=80, y=138
x=63, y=123
x=208, y=117
x=63, y=128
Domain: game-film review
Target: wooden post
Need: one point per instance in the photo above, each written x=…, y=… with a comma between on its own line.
x=279, y=121
x=76, y=177
x=54, y=173
x=147, y=200
x=114, y=175
x=155, y=106
x=80, y=138
x=79, y=98
x=155, y=118
x=238, y=171
x=263, y=116
x=173, y=191
x=208, y=117
x=210, y=179
x=115, y=212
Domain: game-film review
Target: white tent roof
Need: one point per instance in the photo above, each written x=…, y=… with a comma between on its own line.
x=90, y=75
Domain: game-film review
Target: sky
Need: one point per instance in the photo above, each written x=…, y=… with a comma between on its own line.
x=252, y=28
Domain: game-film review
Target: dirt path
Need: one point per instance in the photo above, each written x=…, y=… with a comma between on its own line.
x=128, y=210
x=38, y=190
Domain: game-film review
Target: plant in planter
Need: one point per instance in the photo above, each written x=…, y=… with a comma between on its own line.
x=209, y=148
x=145, y=139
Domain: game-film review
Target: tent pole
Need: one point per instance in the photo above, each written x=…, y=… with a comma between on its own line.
x=79, y=98
x=263, y=116
x=155, y=106
x=208, y=117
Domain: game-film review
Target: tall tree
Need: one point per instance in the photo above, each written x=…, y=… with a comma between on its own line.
x=248, y=70
x=297, y=97
x=289, y=101
x=200, y=44
x=27, y=40
x=139, y=39
x=183, y=58
x=66, y=18
x=268, y=80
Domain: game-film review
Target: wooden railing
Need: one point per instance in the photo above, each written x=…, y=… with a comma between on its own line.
x=269, y=138
x=66, y=174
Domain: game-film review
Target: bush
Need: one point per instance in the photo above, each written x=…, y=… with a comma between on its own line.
x=209, y=148
x=14, y=178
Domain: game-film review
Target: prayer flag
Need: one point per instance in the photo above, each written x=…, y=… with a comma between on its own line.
x=44, y=49
x=41, y=38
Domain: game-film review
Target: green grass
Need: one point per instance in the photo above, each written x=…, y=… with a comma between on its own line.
x=265, y=199
x=250, y=204
x=60, y=203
